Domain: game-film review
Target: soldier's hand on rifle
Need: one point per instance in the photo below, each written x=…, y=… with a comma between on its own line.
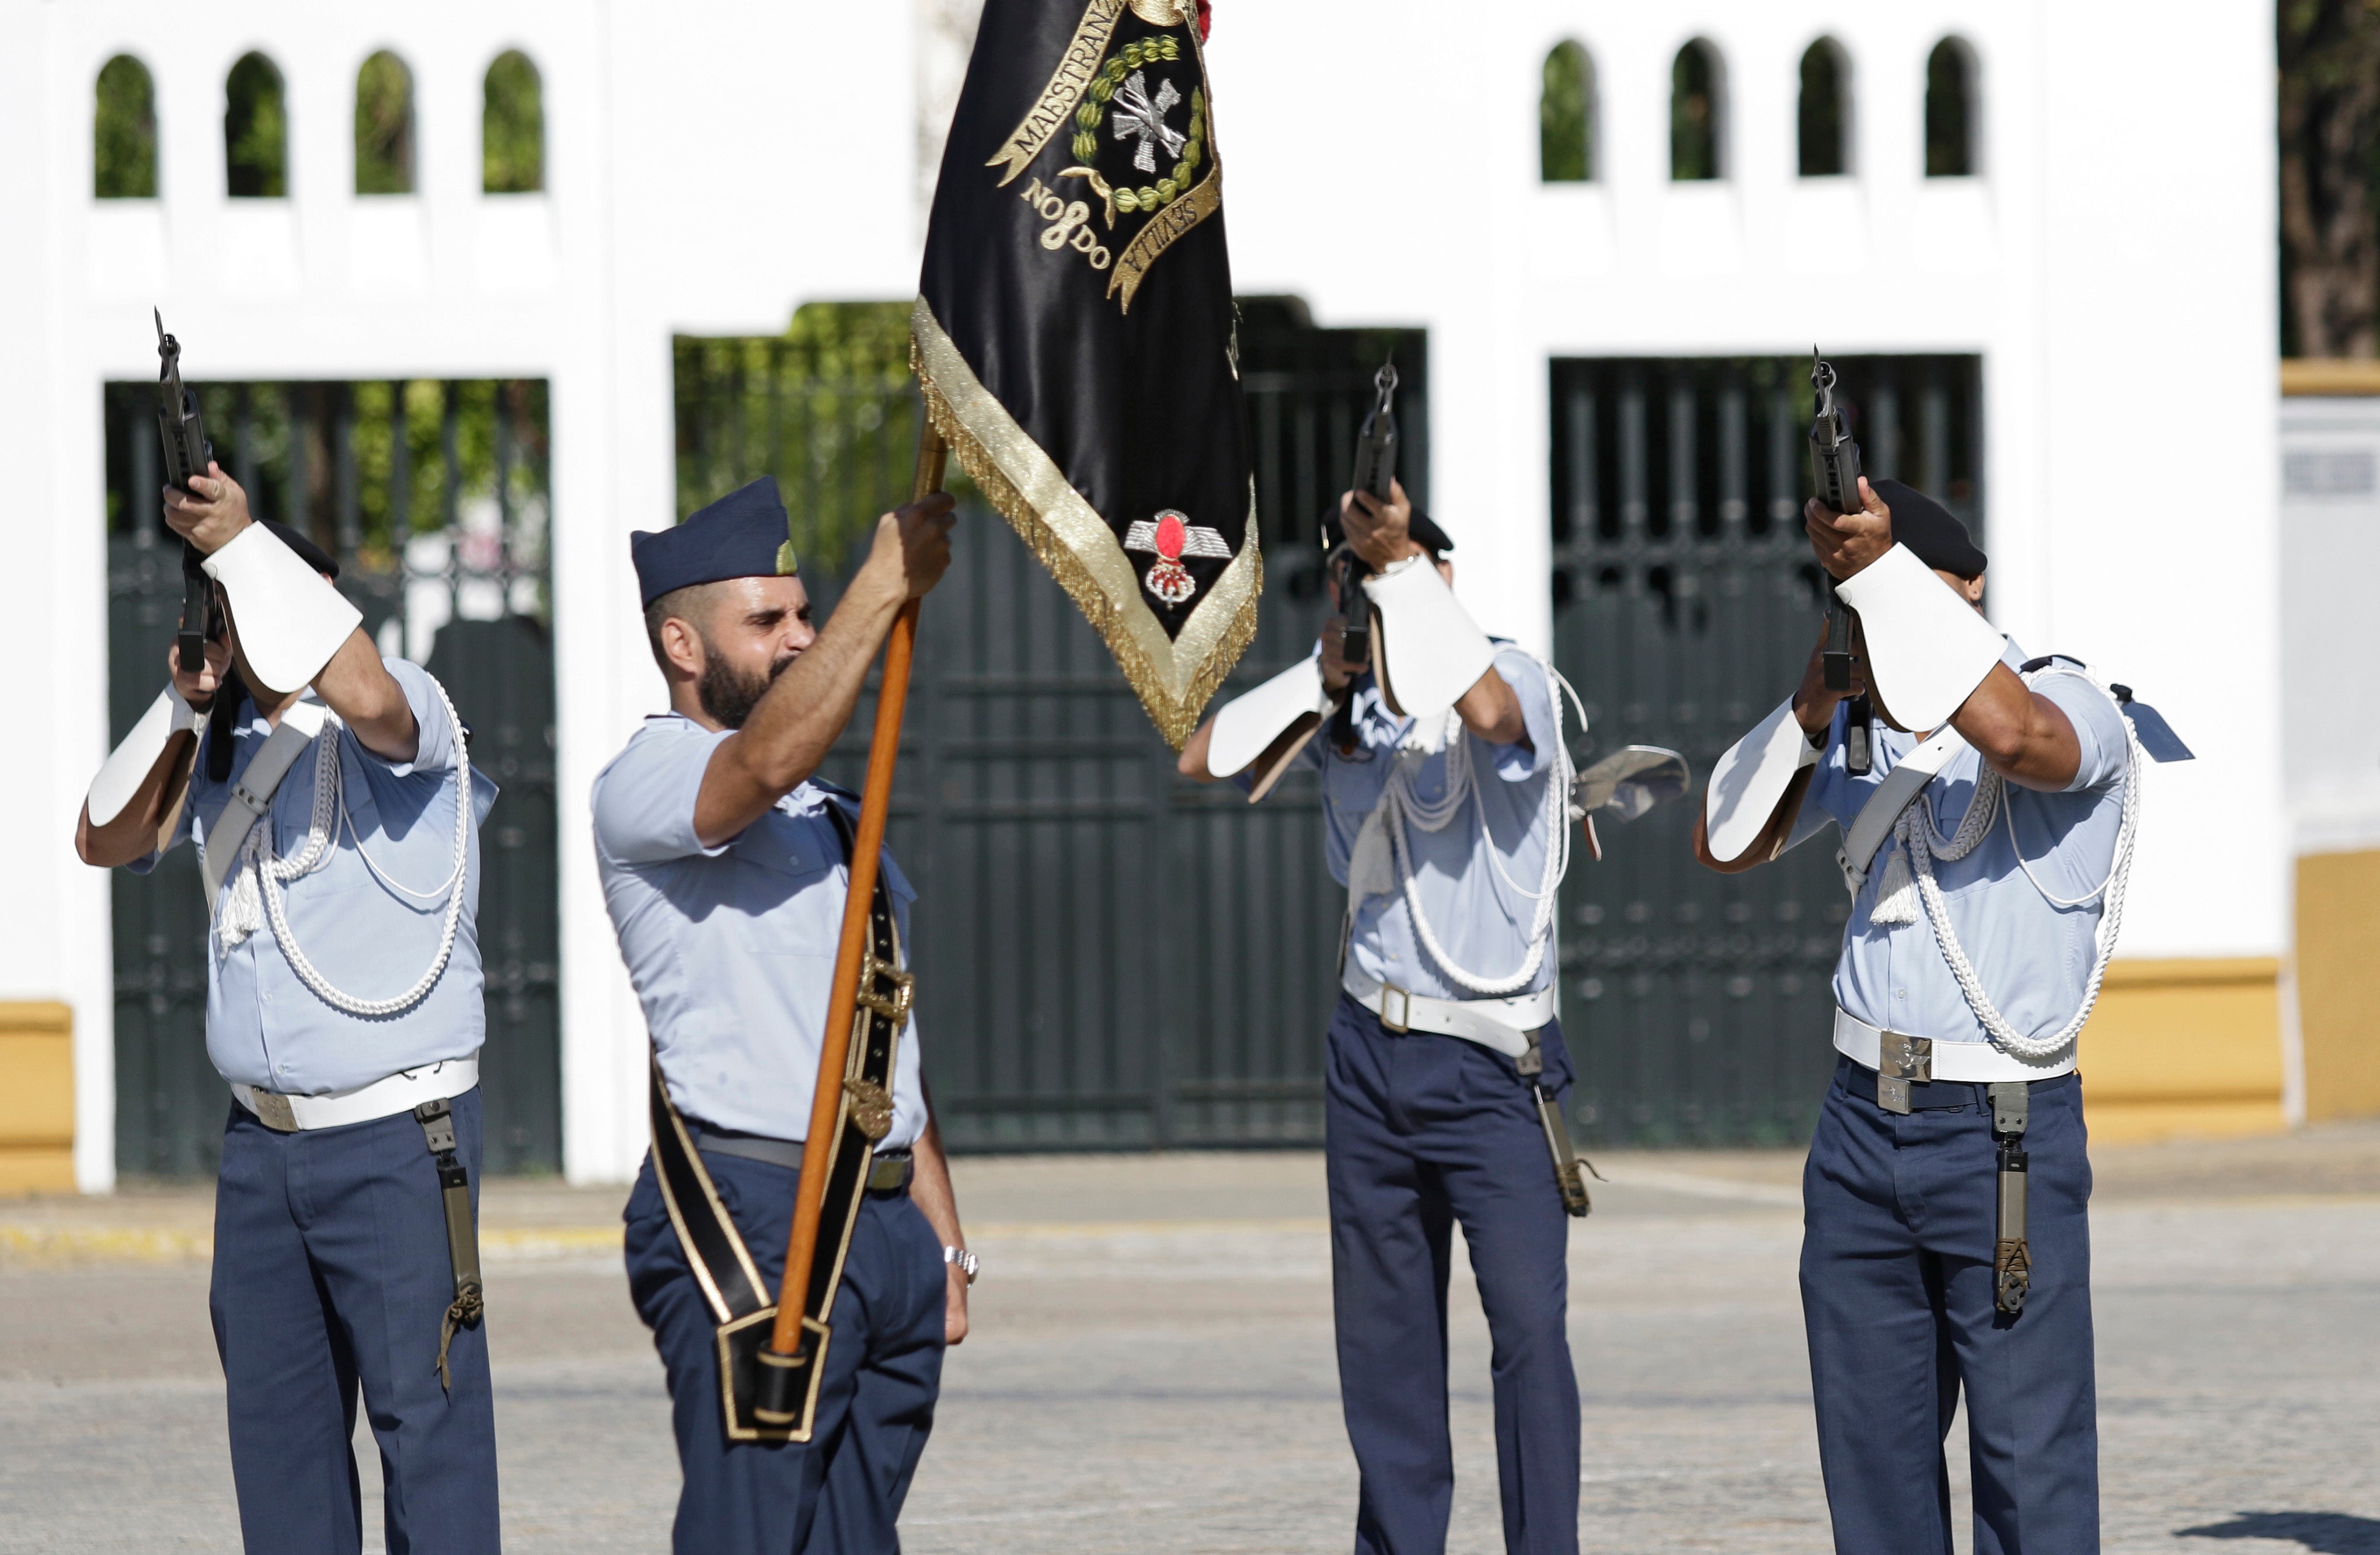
x=212, y=517
x=1380, y=532
x=199, y=689
x=1336, y=670
x=1846, y=542
x=915, y=542
x=1814, y=705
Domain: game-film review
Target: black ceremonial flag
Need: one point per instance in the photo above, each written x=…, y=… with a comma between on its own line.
x=1074, y=331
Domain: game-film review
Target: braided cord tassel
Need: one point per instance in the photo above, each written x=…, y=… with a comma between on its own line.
x=2111, y=919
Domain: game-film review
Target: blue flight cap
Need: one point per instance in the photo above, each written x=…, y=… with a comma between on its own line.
x=743, y=534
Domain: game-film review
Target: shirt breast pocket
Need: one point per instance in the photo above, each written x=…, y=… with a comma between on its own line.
x=775, y=860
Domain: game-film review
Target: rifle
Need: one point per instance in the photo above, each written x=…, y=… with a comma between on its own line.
x=187, y=454
x=1376, y=472
x=1835, y=468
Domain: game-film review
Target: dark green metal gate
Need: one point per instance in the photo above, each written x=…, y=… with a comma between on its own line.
x=1107, y=955
x=1685, y=604
x=435, y=496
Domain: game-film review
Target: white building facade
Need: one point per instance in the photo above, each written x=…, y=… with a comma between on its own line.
x=711, y=165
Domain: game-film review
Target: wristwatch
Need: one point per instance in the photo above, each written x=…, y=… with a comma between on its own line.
x=967, y=1261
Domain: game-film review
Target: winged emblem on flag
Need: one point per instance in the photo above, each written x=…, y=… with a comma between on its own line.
x=1171, y=536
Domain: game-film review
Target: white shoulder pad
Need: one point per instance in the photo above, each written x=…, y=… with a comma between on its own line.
x=1928, y=648
x=1249, y=723
x=1427, y=650
x=129, y=764
x=290, y=619
x=1751, y=778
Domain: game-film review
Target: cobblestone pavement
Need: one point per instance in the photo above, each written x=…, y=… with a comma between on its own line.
x=1152, y=1367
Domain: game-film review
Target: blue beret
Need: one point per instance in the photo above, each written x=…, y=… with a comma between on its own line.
x=741, y=535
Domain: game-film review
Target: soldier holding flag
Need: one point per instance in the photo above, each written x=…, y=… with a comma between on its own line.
x=1072, y=339
x=724, y=863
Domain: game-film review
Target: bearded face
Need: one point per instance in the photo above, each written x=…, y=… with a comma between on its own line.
x=728, y=695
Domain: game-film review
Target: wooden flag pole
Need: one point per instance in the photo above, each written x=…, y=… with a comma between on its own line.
x=843, y=1001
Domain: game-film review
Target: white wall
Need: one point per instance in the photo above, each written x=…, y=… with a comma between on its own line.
x=2113, y=264
x=2330, y=552
x=711, y=164
x=708, y=168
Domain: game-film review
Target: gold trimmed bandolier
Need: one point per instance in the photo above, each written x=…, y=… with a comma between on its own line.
x=722, y=1265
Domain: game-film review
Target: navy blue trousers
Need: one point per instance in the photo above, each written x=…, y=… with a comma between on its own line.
x=1424, y=1131
x=1897, y=1290
x=332, y=1273
x=840, y=1493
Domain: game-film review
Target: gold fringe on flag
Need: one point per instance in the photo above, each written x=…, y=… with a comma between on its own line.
x=1175, y=678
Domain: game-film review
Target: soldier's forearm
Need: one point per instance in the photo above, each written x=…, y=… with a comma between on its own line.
x=131, y=835
x=1192, y=764
x=2023, y=735
x=795, y=724
x=1491, y=710
x=357, y=687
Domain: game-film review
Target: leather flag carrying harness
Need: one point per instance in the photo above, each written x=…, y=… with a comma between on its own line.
x=1074, y=335
x=723, y=1266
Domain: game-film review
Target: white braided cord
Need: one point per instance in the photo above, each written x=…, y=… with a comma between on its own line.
x=262, y=873
x=1400, y=805
x=1914, y=832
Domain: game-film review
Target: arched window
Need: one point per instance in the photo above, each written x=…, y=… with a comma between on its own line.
x=1566, y=116
x=256, y=131
x=1698, y=107
x=512, y=127
x=1950, y=111
x=384, y=126
x=1825, y=111
x=124, y=132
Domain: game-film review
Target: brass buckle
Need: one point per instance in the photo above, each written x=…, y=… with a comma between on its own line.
x=894, y=1006
x=1900, y=1060
x=274, y=1110
x=1401, y=1023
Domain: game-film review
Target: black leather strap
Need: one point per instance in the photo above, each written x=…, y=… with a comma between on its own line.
x=722, y=1265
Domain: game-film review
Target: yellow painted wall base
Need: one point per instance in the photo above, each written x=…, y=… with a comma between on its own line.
x=36, y=1098
x=2184, y=1049
x=2338, y=983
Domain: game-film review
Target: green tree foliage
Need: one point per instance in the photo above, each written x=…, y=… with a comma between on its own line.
x=1821, y=117
x=256, y=131
x=826, y=408
x=512, y=127
x=1565, y=119
x=1693, y=113
x=384, y=126
x=2329, y=98
x=1949, y=111
x=124, y=132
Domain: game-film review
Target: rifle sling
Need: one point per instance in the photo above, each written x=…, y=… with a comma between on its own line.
x=722, y=1265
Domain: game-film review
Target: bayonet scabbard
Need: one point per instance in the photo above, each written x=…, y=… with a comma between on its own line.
x=2011, y=1255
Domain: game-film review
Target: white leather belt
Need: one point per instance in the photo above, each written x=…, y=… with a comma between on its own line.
x=1964, y=1062
x=401, y=1092
x=1500, y=1024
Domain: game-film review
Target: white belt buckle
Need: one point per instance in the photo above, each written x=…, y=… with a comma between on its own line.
x=1403, y=1022
x=1900, y=1059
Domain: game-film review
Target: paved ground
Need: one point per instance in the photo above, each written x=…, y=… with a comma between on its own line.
x=1152, y=1367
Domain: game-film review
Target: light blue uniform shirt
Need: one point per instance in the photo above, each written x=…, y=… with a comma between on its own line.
x=2033, y=959
x=1482, y=922
x=265, y=1027
x=732, y=948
